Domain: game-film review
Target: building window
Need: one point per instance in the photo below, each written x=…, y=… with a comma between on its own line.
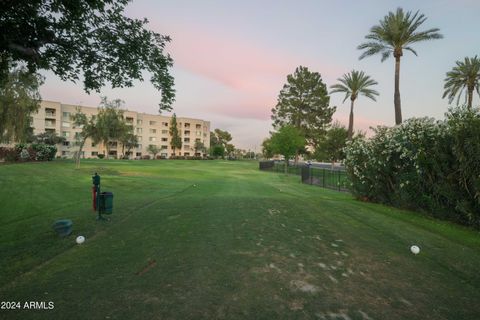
x=49, y=112
x=139, y=138
x=186, y=147
x=139, y=122
x=199, y=133
x=198, y=140
x=139, y=146
x=165, y=124
x=153, y=123
x=77, y=135
x=164, y=131
x=186, y=154
x=94, y=153
x=139, y=154
x=66, y=115
x=49, y=123
x=66, y=143
x=164, y=139
x=152, y=139
x=65, y=124
x=153, y=130
x=66, y=134
x=164, y=147
x=164, y=155
x=94, y=145
x=65, y=153
x=139, y=130
x=187, y=132
x=187, y=125
x=198, y=126
x=186, y=139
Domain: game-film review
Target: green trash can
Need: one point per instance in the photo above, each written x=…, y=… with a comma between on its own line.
x=106, y=202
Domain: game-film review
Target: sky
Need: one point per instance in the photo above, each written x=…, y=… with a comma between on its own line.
x=231, y=59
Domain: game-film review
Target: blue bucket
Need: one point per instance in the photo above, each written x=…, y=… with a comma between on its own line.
x=63, y=227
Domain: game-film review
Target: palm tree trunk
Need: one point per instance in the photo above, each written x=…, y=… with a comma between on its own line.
x=350, y=122
x=470, y=98
x=396, y=97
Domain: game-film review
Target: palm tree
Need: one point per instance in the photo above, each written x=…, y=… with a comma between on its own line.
x=465, y=75
x=353, y=84
x=395, y=33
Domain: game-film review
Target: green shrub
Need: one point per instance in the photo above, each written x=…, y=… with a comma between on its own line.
x=100, y=156
x=44, y=152
x=422, y=164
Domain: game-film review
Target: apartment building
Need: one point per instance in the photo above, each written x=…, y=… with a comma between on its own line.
x=150, y=130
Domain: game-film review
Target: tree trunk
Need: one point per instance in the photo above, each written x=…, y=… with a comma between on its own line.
x=107, y=147
x=77, y=160
x=350, y=122
x=396, y=97
x=470, y=98
x=286, y=165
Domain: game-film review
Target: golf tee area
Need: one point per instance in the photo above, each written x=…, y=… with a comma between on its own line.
x=221, y=240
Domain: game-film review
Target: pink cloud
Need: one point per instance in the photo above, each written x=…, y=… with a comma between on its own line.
x=359, y=122
x=254, y=74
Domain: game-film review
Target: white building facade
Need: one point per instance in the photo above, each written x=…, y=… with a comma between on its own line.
x=150, y=130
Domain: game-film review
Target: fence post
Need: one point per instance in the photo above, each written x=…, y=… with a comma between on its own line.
x=338, y=180
x=323, y=177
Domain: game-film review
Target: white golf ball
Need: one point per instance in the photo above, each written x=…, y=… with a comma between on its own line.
x=80, y=239
x=415, y=249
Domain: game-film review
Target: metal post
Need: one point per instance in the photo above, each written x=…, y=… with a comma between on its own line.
x=323, y=177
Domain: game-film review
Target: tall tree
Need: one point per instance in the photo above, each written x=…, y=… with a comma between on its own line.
x=199, y=147
x=352, y=85
x=129, y=141
x=89, y=37
x=394, y=34
x=153, y=149
x=89, y=130
x=303, y=103
x=110, y=123
x=465, y=75
x=176, y=140
x=229, y=149
x=331, y=148
x=19, y=99
x=286, y=142
x=267, y=151
x=223, y=137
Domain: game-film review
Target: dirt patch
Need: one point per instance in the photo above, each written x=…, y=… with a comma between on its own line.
x=150, y=265
x=323, y=266
x=295, y=305
x=303, y=286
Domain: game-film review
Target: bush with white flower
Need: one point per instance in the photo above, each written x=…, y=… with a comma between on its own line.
x=422, y=164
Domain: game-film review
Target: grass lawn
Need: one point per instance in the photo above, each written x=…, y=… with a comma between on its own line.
x=223, y=240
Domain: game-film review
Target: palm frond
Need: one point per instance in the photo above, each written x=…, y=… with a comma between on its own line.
x=463, y=77
x=395, y=32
